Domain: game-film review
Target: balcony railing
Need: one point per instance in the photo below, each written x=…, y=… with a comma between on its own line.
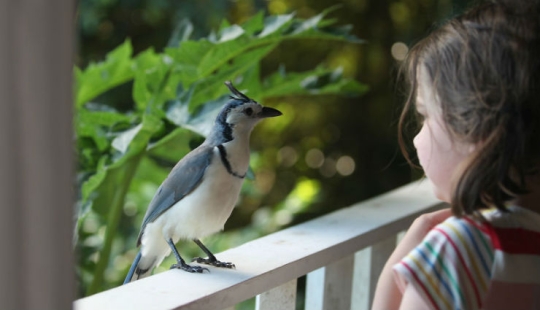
x=341, y=253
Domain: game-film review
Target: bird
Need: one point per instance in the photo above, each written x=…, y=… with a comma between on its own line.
x=200, y=192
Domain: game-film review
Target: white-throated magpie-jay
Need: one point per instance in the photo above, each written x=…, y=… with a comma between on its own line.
x=198, y=196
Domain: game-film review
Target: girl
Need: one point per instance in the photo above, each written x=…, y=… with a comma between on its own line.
x=476, y=83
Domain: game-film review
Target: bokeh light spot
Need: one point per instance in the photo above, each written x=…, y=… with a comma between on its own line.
x=314, y=158
x=400, y=13
x=287, y=156
x=283, y=217
x=399, y=51
x=130, y=208
x=265, y=180
x=328, y=169
x=278, y=7
x=307, y=190
x=345, y=165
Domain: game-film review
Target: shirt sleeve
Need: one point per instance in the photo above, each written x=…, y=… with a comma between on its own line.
x=451, y=268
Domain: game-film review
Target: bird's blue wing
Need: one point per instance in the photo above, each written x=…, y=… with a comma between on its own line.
x=183, y=179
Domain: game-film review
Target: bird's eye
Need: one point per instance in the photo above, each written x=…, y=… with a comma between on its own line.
x=248, y=111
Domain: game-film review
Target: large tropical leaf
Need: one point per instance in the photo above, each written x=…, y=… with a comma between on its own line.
x=97, y=78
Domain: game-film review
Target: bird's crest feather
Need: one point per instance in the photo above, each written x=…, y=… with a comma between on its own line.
x=237, y=95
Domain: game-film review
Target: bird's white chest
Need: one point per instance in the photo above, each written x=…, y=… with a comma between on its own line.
x=205, y=210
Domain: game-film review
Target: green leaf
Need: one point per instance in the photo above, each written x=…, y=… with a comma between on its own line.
x=187, y=58
x=147, y=61
x=273, y=24
x=100, y=77
x=89, y=188
x=202, y=119
x=237, y=42
x=219, y=54
x=224, y=24
x=151, y=86
x=308, y=24
x=136, y=139
x=181, y=33
x=123, y=140
x=100, y=188
x=106, y=185
x=96, y=124
x=173, y=146
x=230, y=33
x=196, y=60
x=101, y=118
x=250, y=82
x=255, y=24
x=212, y=87
x=141, y=94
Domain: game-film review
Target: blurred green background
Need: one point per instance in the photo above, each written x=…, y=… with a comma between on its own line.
x=326, y=152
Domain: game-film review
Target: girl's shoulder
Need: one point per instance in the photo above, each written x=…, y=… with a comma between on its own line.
x=461, y=231
x=515, y=237
x=491, y=223
x=516, y=217
x=515, y=272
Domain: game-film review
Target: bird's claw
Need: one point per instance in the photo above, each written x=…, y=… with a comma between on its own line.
x=214, y=263
x=188, y=268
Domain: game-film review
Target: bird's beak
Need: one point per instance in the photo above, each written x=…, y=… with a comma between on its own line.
x=269, y=112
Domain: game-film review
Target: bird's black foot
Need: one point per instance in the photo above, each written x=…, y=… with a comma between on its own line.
x=213, y=262
x=188, y=268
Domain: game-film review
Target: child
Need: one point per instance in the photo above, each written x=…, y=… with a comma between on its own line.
x=476, y=84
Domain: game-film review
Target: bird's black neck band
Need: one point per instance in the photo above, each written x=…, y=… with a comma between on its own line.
x=227, y=132
x=226, y=163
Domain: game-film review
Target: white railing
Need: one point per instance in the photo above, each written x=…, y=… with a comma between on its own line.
x=342, y=254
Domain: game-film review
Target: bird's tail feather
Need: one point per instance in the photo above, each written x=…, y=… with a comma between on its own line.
x=131, y=271
x=142, y=267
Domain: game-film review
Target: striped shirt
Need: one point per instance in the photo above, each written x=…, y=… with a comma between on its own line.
x=464, y=263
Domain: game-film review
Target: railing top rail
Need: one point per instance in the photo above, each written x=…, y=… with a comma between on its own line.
x=275, y=259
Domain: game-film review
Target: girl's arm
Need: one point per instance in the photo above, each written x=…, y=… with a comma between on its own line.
x=388, y=295
x=412, y=300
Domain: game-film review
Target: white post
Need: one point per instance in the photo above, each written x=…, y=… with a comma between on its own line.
x=36, y=159
x=282, y=297
x=361, y=280
x=330, y=287
x=380, y=252
x=368, y=264
x=315, y=289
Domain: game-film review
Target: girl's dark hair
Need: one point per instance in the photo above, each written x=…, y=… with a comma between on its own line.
x=484, y=67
